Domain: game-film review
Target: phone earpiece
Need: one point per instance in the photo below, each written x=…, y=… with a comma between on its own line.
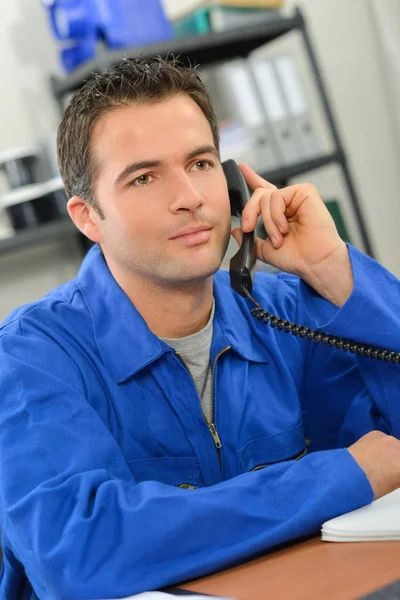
x=242, y=264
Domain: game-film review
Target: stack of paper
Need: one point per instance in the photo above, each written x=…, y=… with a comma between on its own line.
x=375, y=522
x=164, y=596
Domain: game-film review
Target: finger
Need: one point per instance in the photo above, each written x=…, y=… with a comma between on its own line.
x=264, y=248
x=270, y=226
x=294, y=197
x=252, y=210
x=278, y=209
x=253, y=179
x=237, y=235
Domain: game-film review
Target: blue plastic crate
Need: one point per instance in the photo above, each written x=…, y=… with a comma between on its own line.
x=119, y=23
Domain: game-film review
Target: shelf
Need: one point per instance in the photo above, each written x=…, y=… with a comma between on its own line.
x=50, y=231
x=283, y=173
x=199, y=49
x=214, y=47
x=38, y=235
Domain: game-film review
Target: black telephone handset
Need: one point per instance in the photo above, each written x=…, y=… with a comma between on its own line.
x=242, y=265
x=241, y=272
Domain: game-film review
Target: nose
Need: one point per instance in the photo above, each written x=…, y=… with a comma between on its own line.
x=185, y=196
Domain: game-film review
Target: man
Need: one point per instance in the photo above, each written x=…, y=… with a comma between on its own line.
x=151, y=430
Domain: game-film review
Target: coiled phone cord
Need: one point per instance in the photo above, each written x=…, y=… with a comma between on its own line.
x=319, y=336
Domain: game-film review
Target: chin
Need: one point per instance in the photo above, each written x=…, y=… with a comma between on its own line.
x=180, y=273
x=196, y=274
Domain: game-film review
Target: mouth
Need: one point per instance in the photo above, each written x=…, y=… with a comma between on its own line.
x=193, y=236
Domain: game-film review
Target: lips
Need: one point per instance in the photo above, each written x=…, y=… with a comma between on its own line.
x=192, y=236
x=191, y=230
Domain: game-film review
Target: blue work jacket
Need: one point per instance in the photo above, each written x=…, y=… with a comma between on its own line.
x=111, y=482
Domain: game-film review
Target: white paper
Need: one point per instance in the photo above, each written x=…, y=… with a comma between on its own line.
x=377, y=521
x=164, y=596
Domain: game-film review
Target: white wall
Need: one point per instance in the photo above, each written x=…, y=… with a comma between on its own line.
x=385, y=20
x=351, y=41
x=28, y=56
x=28, y=112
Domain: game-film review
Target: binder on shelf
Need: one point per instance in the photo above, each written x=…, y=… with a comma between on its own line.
x=295, y=98
x=236, y=143
x=6, y=229
x=276, y=109
x=18, y=165
x=251, y=3
x=222, y=18
x=36, y=203
x=235, y=96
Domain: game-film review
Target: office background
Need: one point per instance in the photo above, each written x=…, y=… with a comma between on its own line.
x=357, y=44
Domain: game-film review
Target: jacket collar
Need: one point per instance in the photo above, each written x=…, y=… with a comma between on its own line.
x=125, y=342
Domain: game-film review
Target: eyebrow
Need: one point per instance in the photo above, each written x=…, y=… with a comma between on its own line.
x=202, y=150
x=137, y=166
x=152, y=164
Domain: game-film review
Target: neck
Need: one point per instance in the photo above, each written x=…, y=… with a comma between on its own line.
x=172, y=311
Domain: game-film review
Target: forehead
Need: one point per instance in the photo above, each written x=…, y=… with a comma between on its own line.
x=161, y=130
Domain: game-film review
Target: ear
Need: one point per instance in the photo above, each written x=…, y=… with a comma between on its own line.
x=85, y=218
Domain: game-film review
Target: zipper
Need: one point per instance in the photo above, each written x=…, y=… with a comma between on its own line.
x=215, y=435
x=210, y=424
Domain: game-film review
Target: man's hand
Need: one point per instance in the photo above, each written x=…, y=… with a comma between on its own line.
x=378, y=455
x=303, y=239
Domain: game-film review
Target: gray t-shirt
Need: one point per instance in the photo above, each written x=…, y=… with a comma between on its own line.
x=195, y=349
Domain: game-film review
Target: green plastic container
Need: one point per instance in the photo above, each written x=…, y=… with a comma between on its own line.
x=336, y=214
x=197, y=23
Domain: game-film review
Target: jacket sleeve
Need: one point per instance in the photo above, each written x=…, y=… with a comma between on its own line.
x=364, y=391
x=74, y=516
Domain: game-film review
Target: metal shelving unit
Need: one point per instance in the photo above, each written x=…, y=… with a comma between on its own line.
x=199, y=49
x=205, y=49
x=38, y=235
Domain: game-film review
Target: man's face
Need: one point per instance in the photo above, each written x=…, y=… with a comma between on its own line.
x=159, y=174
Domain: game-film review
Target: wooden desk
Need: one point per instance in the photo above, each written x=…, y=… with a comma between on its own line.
x=310, y=570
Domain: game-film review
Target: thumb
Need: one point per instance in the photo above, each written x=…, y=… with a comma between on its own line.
x=237, y=235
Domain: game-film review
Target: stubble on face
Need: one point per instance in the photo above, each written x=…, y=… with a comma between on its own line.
x=137, y=243
x=184, y=265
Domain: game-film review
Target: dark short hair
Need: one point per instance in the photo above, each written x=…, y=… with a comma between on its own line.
x=137, y=80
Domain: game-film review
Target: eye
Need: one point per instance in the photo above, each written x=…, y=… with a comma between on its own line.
x=202, y=165
x=142, y=180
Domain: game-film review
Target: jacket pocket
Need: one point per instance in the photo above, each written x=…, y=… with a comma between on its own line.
x=296, y=457
x=264, y=452
x=176, y=471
